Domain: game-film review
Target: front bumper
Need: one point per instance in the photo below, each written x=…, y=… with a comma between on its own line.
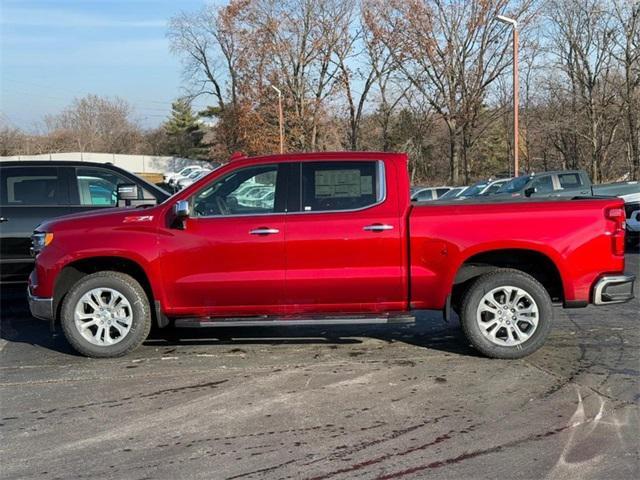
x=613, y=289
x=39, y=307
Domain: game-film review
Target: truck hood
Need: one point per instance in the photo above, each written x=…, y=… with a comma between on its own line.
x=116, y=216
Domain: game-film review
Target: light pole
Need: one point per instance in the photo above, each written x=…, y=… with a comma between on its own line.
x=516, y=90
x=280, y=117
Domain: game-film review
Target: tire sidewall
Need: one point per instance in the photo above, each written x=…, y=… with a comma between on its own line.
x=485, y=284
x=134, y=294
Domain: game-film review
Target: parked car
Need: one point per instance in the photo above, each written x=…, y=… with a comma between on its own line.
x=563, y=183
x=34, y=191
x=632, y=211
x=493, y=187
x=617, y=189
x=425, y=194
x=169, y=178
x=191, y=179
x=453, y=193
x=340, y=244
x=482, y=188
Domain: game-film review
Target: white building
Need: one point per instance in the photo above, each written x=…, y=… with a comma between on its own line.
x=140, y=164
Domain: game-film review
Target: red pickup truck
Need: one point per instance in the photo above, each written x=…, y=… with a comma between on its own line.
x=325, y=238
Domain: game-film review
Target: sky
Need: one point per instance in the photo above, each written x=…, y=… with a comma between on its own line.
x=52, y=51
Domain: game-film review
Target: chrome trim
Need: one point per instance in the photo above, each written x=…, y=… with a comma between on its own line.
x=377, y=228
x=264, y=231
x=614, y=279
x=41, y=308
x=182, y=208
x=381, y=184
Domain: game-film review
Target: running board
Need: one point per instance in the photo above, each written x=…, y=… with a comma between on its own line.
x=292, y=321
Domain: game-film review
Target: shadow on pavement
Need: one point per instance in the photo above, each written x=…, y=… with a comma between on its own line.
x=430, y=331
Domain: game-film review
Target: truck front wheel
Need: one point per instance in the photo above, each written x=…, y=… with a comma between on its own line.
x=106, y=314
x=506, y=314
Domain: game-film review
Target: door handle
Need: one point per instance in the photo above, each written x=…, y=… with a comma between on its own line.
x=3, y=219
x=264, y=231
x=378, y=227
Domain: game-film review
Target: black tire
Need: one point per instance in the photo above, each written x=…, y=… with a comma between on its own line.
x=483, y=285
x=134, y=294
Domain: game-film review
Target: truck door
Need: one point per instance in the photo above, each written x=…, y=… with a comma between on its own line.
x=344, y=243
x=230, y=257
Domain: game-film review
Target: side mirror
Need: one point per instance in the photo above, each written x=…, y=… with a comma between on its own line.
x=181, y=211
x=127, y=192
x=530, y=191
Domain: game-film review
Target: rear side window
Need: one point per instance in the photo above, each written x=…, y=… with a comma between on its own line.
x=331, y=186
x=425, y=195
x=30, y=186
x=569, y=180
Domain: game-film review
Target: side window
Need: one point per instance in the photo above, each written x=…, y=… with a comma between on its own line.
x=425, y=195
x=330, y=186
x=569, y=180
x=441, y=191
x=244, y=192
x=543, y=184
x=98, y=187
x=30, y=186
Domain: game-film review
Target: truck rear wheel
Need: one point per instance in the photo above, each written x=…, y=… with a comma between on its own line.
x=106, y=314
x=506, y=314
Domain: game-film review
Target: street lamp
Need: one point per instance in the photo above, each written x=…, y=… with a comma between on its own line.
x=516, y=89
x=281, y=118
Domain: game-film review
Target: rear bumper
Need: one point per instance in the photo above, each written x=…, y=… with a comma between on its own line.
x=39, y=307
x=613, y=289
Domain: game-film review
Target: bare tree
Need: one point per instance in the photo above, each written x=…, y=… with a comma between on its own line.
x=582, y=40
x=627, y=53
x=96, y=124
x=451, y=51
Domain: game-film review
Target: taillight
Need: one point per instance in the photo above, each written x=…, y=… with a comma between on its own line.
x=617, y=215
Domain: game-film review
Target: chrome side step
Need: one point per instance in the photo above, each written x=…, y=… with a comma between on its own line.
x=265, y=321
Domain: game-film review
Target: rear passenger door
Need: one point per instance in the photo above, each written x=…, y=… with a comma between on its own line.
x=28, y=196
x=343, y=240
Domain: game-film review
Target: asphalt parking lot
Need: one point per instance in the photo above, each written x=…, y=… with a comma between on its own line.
x=312, y=403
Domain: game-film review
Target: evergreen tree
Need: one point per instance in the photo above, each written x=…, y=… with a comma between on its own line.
x=184, y=132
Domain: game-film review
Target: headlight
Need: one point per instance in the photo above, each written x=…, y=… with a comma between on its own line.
x=39, y=240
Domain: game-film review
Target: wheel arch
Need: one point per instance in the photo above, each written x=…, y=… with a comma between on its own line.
x=539, y=265
x=74, y=271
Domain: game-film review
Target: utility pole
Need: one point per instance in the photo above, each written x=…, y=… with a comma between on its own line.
x=281, y=118
x=516, y=92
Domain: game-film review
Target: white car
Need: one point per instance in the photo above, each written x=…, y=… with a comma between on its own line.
x=170, y=177
x=193, y=178
x=425, y=194
x=632, y=209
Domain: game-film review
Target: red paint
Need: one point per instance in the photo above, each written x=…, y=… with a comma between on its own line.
x=326, y=262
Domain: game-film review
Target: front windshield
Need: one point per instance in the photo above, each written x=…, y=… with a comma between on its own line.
x=451, y=193
x=474, y=189
x=514, y=185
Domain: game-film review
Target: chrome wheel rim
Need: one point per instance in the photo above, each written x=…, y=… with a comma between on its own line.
x=103, y=316
x=507, y=316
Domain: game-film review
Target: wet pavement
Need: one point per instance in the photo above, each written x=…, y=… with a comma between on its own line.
x=383, y=402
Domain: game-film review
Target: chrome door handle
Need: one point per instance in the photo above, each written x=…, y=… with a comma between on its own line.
x=264, y=231
x=3, y=219
x=378, y=227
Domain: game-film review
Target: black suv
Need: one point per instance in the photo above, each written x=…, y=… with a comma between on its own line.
x=33, y=191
